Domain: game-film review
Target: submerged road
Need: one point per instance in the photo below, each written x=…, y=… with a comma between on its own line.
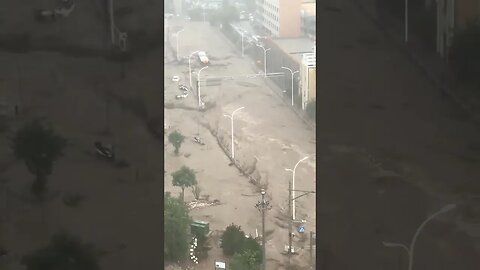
x=392, y=150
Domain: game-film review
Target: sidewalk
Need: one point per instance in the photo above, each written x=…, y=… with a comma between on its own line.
x=430, y=63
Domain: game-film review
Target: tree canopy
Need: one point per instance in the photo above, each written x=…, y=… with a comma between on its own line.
x=232, y=240
x=39, y=147
x=183, y=178
x=177, y=229
x=176, y=139
x=64, y=251
x=246, y=260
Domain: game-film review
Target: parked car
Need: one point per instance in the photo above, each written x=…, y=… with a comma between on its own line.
x=175, y=79
x=185, y=95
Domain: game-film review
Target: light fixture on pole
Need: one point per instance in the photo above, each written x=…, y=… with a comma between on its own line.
x=262, y=206
x=190, y=66
x=293, y=185
x=231, y=118
x=177, y=35
x=198, y=82
x=293, y=73
x=264, y=58
x=410, y=249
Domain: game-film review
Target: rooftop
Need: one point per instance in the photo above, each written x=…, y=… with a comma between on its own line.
x=295, y=47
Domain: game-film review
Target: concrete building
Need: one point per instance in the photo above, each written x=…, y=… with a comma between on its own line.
x=280, y=18
x=453, y=15
x=288, y=52
x=308, y=18
x=308, y=80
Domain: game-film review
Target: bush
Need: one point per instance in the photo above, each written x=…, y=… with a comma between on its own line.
x=232, y=240
x=464, y=55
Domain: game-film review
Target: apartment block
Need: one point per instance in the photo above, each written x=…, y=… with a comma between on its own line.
x=281, y=18
x=308, y=80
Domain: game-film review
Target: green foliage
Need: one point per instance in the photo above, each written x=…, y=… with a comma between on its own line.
x=465, y=54
x=39, y=147
x=247, y=260
x=176, y=139
x=250, y=244
x=311, y=109
x=232, y=240
x=185, y=177
x=63, y=252
x=177, y=227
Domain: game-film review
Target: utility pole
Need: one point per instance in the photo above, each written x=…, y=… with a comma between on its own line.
x=290, y=214
x=112, y=22
x=290, y=219
x=312, y=261
x=263, y=206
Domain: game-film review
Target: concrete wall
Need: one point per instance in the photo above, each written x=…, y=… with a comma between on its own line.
x=289, y=18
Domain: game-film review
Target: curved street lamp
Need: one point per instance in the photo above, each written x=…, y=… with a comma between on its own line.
x=264, y=58
x=190, y=66
x=410, y=250
x=293, y=184
x=198, y=81
x=293, y=73
x=231, y=118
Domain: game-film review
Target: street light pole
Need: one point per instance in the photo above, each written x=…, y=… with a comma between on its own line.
x=231, y=119
x=293, y=184
x=262, y=206
x=292, y=199
x=292, y=73
x=264, y=58
x=177, y=35
x=198, y=81
x=242, y=46
x=406, y=21
x=410, y=249
x=190, y=66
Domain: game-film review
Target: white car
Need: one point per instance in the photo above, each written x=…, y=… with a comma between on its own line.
x=175, y=79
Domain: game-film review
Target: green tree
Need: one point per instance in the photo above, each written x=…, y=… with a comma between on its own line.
x=177, y=226
x=183, y=178
x=64, y=251
x=311, y=109
x=176, y=139
x=232, y=240
x=246, y=260
x=250, y=244
x=39, y=147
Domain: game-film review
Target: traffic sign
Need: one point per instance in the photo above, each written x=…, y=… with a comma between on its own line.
x=301, y=228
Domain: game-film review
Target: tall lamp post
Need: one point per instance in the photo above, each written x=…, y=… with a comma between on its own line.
x=190, y=66
x=242, y=46
x=177, y=35
x=293, y=73
x=231, y=119
x=264, y=58
x=198, y=81
x=262, y=206
x=410, y=249
x=293, y=185
x=406, y=21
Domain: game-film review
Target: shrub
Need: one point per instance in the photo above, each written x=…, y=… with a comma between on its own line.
x=232, y=240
